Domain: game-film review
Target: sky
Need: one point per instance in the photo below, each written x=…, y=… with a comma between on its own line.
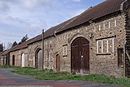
x=21, y=17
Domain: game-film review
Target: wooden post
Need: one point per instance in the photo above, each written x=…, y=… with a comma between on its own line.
x=43, y=49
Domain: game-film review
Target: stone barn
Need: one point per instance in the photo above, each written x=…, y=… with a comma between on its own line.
x=95, y=42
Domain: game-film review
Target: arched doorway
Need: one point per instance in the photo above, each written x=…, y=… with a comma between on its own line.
x=38, y=59
x=57, y=62
x=23, y=60
x=13, y=60
x=80, y=55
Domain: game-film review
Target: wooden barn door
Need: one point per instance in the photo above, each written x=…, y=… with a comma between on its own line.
x=23, y=60
x=57, y=62
x=13, y=60
x=80, y=55
x=38, y=59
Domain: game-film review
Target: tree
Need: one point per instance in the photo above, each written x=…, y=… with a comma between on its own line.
x=1, y=47
x=25, y=38
x=8, y=46
x=14, y=44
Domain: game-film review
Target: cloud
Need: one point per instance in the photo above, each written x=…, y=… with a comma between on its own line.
x=76, y=0
x=20, y=17
x=34, y=3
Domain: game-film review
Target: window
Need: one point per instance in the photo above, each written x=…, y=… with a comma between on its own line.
x=102, y=46
x=97, y=47
x=99, y=27
x=113, y=43
x=105, y=46
x=120, y=56
x=64, y=50
x=115, y=23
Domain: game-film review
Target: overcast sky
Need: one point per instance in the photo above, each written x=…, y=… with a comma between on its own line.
x=21, y=17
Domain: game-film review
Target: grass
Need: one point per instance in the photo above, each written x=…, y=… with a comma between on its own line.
x=51, y=75
x=4, y=66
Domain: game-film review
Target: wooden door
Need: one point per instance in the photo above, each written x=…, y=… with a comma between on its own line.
x=23, y=60
x=13, y=60
x=80, y=55
x=57, y=62
x=38, y=59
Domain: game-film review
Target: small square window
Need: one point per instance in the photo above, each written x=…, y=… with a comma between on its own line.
x=99, y=27
x=115, y=23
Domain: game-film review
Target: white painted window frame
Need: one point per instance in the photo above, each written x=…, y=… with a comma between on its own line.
x=107, y=45
x=102, y=51
x=97, y=47
x=115, y=22
x=99, y=27
x=104, y=25
x=65, y=50
x=113, y=44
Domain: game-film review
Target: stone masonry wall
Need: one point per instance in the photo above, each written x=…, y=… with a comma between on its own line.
x=106, y=62
x=18, y=57
x=104, y=37
x=32, y=48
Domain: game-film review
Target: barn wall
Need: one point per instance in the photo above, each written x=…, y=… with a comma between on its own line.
x=100, y=63
x=111, y=30
x=18, y=57
x=32, y=48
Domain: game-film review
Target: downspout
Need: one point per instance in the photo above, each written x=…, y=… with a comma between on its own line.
x=122, y=5
x=122, y=10
x=43, y=49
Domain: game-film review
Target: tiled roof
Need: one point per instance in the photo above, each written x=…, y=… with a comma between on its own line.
x=5, y=52
x=35, y=39
x=19, y=46
x=105, y=8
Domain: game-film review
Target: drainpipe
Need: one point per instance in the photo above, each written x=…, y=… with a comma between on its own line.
x=122, y=5
x=43, y=49
x=123, y=11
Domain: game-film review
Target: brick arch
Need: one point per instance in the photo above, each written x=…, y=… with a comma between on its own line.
x=76, y=36
x=80, y=55
x=58, y=61
x=38, y=58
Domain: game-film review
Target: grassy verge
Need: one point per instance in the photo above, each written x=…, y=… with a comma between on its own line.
x=4, y=66
x=51, y=75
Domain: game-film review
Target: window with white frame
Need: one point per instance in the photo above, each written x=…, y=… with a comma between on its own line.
x=99, y=27
x=115, y=23
x=65, y=50
x=97, y=47
x=105, y=46
x=102, y=46
x=104, y=25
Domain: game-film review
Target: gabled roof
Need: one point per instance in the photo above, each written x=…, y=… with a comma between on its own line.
x=105, y=8
x=101, y=10
x=35, y=39
x=19, y=46
x=5, y=52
